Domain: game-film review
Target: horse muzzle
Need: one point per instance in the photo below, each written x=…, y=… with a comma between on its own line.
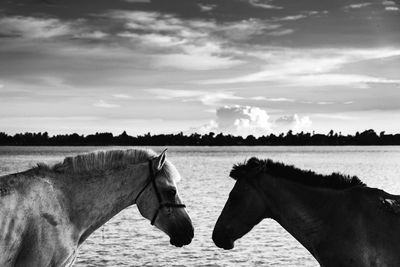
x=182, y=236
x=222, y=240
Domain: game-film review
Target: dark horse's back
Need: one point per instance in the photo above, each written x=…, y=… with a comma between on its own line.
x=368, y=228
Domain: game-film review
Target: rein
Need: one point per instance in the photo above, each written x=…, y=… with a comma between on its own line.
x=161, y=204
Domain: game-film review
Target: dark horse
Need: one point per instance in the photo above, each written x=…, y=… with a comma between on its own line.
x=337, y=218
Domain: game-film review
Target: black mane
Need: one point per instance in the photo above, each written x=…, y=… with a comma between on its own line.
x=306, y=177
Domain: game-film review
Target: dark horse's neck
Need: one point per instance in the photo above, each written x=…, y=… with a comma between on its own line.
x=307, y=213
x=96, y=197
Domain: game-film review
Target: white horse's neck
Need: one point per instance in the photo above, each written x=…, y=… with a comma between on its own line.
x=96, y=198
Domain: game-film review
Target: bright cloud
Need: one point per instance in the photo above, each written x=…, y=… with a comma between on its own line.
x=359, y=5
x=91, y=35
x=248, y=120
x=264, y=4
x=194, y=61
x=272, y=99
x=122, y=96
x=360, y=81
x=103, y=104
x=205, y=97
x=240, y=120
x=294, y=122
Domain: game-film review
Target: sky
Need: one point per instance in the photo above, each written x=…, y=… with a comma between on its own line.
x=165, y=66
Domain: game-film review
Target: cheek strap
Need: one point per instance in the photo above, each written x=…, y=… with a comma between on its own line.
x=161, y=204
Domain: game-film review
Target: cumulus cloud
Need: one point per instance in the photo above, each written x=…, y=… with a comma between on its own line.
x=240, y=120
x=248, y=120
x=294, y=122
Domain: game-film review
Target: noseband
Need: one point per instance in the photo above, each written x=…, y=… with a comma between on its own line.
x=161, y=204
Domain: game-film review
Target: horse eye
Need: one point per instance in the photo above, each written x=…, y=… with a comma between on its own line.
x=171, y=192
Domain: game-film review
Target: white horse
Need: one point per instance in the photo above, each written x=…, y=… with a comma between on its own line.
x=46, y=213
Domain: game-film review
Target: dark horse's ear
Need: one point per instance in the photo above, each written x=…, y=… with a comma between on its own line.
x=158, y=162
x=237, y=172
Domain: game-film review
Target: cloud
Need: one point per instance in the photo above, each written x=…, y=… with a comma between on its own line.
x=390, y=5
x=33, y=28
x=153, y=39
x=272, y=99
x=178, y=43
x=359, y=81
x=293, y=17
x=281, y=32
x=292, y=122
x=206, y=8
x=240, y=120
x=247, y=29
x=248, y=120
x=264, y=4
x=312, y=67
x=138, y=1
x=121, y=96
x=194, y=61
x=325, y=103
x=205, y=97
x=91, y=35
x=104, y=104
x=358, y=5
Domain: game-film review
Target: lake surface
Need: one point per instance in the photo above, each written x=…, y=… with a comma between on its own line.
x=130, y=240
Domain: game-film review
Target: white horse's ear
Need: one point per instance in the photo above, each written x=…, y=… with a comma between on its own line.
x=159, y=161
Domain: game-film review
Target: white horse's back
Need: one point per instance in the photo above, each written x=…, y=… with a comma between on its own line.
x=31, y=224
x=13, y=224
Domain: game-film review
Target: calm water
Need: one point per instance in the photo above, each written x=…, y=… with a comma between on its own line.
x=130, y=240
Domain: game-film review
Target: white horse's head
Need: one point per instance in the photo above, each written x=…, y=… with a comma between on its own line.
x=160, y=202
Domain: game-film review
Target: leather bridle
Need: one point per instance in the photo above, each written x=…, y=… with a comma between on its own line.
x=161, y=204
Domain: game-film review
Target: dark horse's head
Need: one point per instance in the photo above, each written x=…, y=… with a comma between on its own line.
x=161, y=204
x=244, y=209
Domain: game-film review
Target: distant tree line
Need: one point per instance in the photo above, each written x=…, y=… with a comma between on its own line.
x=368, y=137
